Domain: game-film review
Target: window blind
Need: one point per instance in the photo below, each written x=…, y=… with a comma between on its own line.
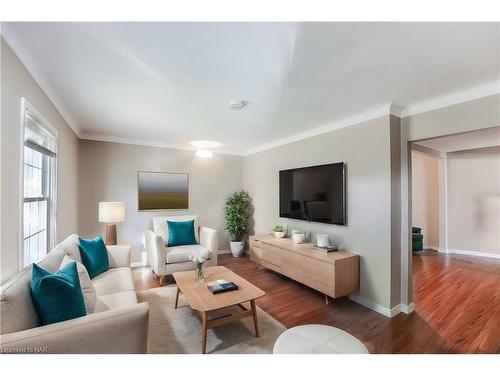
x=39, y=188
x=37, y=137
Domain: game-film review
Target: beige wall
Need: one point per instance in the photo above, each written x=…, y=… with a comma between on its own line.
x=467, y=116
x=425, y=197
x=365, y=148
x=16, y=82
x=474, y=200
x=108, y=172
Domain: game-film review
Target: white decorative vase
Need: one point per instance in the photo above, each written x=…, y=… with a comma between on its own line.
x=298, y=237
x=279, y=234
x=237, y=248
x=200, y=272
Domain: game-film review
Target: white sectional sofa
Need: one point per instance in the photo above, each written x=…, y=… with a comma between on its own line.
x=119, y=324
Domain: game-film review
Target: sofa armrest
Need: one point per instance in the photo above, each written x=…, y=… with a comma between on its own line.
x=119, y=255
x=209, y=240
x=156, y=251
x=117, y=331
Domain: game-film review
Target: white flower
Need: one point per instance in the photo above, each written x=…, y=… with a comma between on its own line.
x=199, y=256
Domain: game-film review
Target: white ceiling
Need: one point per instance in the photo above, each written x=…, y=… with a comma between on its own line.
x=171, y=83
x=483, y=138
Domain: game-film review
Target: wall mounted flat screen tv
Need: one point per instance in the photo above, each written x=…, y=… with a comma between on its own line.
x=314, y=193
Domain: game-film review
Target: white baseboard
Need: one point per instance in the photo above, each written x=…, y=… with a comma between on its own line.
x=472, y=253
x=431, y=247
x=371, y=305
x=407, y=309
x=226, y=251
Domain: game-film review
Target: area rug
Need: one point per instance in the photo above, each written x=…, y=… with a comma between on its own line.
x=178, y=331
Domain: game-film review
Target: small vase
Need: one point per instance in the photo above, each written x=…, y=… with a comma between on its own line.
x=200, y=272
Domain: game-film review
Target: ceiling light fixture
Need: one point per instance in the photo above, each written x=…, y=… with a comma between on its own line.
x=204, y=144
x=238, y=104
x=203, y=153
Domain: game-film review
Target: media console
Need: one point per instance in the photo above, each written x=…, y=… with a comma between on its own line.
x=335, y=274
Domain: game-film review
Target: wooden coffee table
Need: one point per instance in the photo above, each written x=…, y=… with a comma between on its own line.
x=204, y=302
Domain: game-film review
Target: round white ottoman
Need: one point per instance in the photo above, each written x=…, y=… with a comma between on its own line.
x=317, y=339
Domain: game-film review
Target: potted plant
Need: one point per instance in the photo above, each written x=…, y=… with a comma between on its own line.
x=298, y=235
x=238, y=211
x=279, y=231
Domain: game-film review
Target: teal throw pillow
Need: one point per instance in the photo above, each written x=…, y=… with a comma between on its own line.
x=57, y=296
x=94, y=256
x=181, y=233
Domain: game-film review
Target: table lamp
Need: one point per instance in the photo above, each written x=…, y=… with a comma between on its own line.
x=111, y=213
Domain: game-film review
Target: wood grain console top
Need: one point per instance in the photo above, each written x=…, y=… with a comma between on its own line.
x=305, y=249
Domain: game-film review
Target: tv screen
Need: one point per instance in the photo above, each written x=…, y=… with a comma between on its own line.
x=314, y=193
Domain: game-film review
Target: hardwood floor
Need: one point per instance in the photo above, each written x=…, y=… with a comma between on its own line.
x=459, y=296
x=457, y=305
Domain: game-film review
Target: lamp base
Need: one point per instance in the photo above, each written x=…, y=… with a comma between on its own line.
x=110, y=234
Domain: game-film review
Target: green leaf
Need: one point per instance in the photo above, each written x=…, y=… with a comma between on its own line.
x=238, y=211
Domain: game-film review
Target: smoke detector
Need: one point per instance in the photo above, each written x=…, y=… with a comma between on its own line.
x=238, y=104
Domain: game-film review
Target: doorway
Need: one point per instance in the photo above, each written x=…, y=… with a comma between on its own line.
x=455, y=221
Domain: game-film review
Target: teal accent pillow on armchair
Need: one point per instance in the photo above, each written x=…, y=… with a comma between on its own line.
x=57, y=296
x=181, y=233
x=94, y=256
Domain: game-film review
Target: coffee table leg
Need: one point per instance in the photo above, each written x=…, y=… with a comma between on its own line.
x=204, y=328
x=177, y=297
x=255, y=321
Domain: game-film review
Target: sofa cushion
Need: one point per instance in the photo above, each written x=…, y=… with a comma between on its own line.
x=181, y=233
x=160, y=225
x=181, y=253
x=115, y=280
x=94, y=256
x=57, y=296
x=70, y=247
x=88, y=290
x=17, y=309
x=115, y=301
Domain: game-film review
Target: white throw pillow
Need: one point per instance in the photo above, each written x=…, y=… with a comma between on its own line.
x=71, y=247
x=88, y=290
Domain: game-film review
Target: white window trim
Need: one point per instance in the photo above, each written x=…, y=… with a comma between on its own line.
x=26, y=106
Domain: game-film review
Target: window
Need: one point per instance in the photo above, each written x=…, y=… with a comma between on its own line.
x=39, y=161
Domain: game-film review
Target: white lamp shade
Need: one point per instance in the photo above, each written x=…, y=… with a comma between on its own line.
x=111, y=212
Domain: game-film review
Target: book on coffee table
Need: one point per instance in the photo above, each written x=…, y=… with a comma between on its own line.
x=221, y=286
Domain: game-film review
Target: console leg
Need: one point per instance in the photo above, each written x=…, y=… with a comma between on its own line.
x=327, y=301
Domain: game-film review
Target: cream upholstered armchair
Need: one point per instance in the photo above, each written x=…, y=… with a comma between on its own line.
x=165, y=260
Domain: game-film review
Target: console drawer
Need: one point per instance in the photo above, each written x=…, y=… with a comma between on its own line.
x=256, y=252
x=313, y=273
x=272, y=254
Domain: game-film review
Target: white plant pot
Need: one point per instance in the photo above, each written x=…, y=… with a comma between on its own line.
x=279, y=234
x=237, y=248
x=298, y=237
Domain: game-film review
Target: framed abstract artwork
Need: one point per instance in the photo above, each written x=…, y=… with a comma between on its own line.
x=162, y=191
